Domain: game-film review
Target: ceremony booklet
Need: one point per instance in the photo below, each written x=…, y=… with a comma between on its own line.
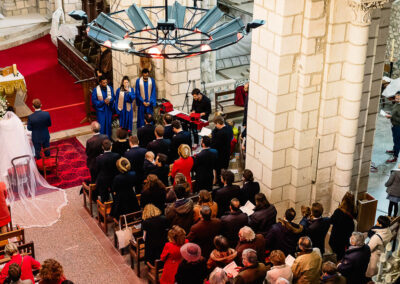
x=289, y=260
x=231, y=268
x=248, y=208
x=205, y=132
x=383, y=113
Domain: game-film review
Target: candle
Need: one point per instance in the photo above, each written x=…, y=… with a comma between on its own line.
x=392, y=52
x=14, y=67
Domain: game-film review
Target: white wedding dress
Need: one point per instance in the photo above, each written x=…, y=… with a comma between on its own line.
x=34, y=203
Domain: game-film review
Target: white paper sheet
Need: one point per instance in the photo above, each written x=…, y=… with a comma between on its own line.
x=205, y=131
x=231, y=268
x=248, y=208
x=289, y=260
x=383, y=113
x=174, y=112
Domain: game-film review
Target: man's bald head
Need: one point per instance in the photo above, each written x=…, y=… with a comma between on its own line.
x=235, y=205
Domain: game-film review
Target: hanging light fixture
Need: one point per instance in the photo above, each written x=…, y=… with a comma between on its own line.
x=174, y=31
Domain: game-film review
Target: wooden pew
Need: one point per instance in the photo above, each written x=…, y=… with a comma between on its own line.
x=17, y=236
x=24, y=249
x=136, y=251
x=88, y=194
x=154, y=272
x=133, y=220
x=103, y=212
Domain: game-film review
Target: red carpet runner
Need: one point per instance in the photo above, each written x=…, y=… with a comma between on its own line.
x=47, y=80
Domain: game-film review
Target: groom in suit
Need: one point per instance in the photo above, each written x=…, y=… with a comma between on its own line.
x=39, y=123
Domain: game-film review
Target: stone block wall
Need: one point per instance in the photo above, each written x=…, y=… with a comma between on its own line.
x=19, y=7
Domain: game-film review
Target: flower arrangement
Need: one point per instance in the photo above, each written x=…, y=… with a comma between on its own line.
x=3, y=106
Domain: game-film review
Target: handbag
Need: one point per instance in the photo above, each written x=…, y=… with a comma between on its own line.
x=124, y=235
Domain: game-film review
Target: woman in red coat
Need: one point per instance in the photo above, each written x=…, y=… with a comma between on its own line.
x=171, y=254
x=184, y=164
x=5, y=217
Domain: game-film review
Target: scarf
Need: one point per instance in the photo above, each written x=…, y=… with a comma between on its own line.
x=100, y=93
x=121, y=100
x=149, y=88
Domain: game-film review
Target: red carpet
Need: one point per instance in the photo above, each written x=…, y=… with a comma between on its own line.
x=72, y=168
x=47, y=80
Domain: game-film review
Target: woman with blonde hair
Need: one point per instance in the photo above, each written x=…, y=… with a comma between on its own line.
x=171, y=254
x=279, y=268
x=153, y=192
x=154, y=228
x=184, y=164
x=205, y=199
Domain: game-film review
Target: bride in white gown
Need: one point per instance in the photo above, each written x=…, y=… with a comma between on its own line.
x=34, y=203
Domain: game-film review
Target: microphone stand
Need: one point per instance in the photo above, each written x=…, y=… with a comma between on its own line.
x=186, y=101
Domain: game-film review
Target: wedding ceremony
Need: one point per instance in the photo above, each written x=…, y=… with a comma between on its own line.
x=199, y=141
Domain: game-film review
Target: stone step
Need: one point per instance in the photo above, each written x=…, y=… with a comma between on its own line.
x=25, y=37
x=12, y=32
x=21, y=20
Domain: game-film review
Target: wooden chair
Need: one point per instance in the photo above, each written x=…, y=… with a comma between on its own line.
x=46, y=163
x=133, y=220
x=88, y=194
x=136, y=251
x=154, y=272
x=103, y=212
x=17, y=236
x=19, y=174
x=138, y=198
x=225, y=102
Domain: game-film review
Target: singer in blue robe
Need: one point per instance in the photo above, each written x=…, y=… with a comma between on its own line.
x=103, y=103
x=145, y=93
x=123, y=104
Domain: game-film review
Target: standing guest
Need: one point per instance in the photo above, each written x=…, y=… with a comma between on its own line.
x=221, y=141
x=106, y=170
x=224, y=195
x=5, y=216
x=318, y=227
x=181, y=179
x=122, y=144
x=330, y=275
x=171, y=254
x=145, y=93
x=201, y=105
x=167, y=120
x=26, y=262
x=279, y=268
x=124, y=96
x=51, y=272
x=233, y=221
x=205, y=199
x=264, y=215
x=162, y=170
x=355, y=261
x=253, y=271
x=342, y=220
x=218, y=276
x=184, y=164
x=306, y=267
x=135, y=155
x=246, y=103
x=104, y=67
x=122, y=189
x=222, y=255
x=146, y=132
x=148, y=164
x=155, y=227
x=103, y=100
x=204, y=165
x=181, y=211
x=306, y=213
x=160, y=144
x=248, y=239
x=250, y=188
x=193, y=268
x=94, y=148
x=153, y=192
x=395, y=120
x=180, y=137
x=39, y=123
x=14, y=275
x=205, y=230
x=393, y=191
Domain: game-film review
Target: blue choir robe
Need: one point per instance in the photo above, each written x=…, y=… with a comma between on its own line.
x=126, y=113
x=141, y=109
x=103, y=111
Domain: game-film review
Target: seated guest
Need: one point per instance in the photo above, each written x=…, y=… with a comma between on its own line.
x=204, y=165
x=279, y=268
x=106, y=170
x=193, y=268
x=160, y=145
x=122, y=143
x=26, y=262
x=330, y=274
x=181, y=211
x=161, y=170
x=146, y=132
x=171, y=254
x=218, y=276
x=250, y=188
x=248, y=239
x=264, y=215
x=155, y=227
x=204, y=231
x=135, y=155
x=148, y=164
x=233, y=221
x=184, y=164
x=221, y=141
x=124, y=196
x=253, y=271
x=180, y=137
x=355, y=261
x=222, y=255
x=14, y=275
x=317, y=227
x=51, y=272
x=285, y=234
x=224, y=195
x=167, y=120
x=153, y=192
x=205, y=199
x=306, y=267
x=94, y=148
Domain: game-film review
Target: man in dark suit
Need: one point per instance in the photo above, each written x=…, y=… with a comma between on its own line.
x=135, y=155
x=167, y=120
x=221, y=141
x=317, y=227
x=223, y=196
x=233, y=221
x=162, y=169
x=106, y=170
x=201, y=105
x=180, y=137
x=94, y=148
x=204, y=165
x=160, y=145
x=146, y=132
x=39, y=123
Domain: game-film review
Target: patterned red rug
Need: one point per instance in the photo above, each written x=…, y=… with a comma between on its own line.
x=72, y=168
